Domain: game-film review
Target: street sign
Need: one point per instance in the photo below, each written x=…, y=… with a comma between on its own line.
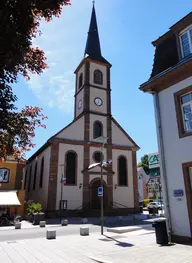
x=178, y=193
x=100, y=191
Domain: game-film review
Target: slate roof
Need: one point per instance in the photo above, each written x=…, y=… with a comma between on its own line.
x=93, y=48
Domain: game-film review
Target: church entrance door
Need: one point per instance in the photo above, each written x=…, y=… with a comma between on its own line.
x=95, y=199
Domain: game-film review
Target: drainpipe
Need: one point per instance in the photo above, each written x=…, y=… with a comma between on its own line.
x=163, y=163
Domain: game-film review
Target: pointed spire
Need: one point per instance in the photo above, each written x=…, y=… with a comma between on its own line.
x=93, y=49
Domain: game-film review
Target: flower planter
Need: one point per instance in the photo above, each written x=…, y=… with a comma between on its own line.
x=37, y=217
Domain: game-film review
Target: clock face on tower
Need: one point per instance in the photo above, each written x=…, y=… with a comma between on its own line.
x=79, y=104
x=98, y=101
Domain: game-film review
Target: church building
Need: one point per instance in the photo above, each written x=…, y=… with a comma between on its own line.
x=59, y=170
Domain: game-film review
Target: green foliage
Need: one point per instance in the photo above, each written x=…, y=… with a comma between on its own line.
x=34, y=208
x=153, y=191
x=144, y=163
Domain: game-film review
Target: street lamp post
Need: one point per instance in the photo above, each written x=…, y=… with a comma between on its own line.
x=62, y=174
x=103, y=140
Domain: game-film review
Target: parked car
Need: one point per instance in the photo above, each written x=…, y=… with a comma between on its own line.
x=157, y=205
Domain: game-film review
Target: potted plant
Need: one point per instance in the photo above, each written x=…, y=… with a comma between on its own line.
x=34, y=210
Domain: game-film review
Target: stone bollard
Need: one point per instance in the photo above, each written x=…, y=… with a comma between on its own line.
x=18, y=225
x=84, y=221
x=64, y=222
x=51, y=234
x=42, y=223
x=84, y=231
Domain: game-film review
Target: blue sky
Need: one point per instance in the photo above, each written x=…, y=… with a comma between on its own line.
x=126, y=30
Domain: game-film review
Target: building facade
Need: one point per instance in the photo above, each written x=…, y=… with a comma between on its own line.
x=69, y=153
x=143, y=179
x=12, y=194
x=171, y=86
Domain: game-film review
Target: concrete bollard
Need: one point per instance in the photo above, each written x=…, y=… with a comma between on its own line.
x=18, y=225
x=42, y=223
x=64, y=222
x=51, y=234
x=84, y=221
x=84, y=231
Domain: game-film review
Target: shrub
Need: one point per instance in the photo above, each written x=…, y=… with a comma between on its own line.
x=34, y=208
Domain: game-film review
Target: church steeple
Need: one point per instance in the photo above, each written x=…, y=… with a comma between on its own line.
x=93, y=48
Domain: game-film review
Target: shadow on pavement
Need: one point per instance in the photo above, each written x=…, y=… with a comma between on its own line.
x=118, y=243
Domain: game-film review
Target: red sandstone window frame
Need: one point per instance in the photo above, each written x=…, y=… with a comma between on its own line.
x=96, y=79
x=188, y=189
x=178, y=108
x=41, y=173
x=76, y=167
x=80, y=80
x=118, y=171
x=35, y=176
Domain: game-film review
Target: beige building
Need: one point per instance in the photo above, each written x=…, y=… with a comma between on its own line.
x=171, y=86
x=69, y=153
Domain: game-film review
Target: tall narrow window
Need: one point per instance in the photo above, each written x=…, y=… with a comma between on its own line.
x=97, y=129
x=186, y=42
x=98, y=77
x=186, y=105
x=71, y=168
x=80, y=80
x=122, y=171
x=35, y=176
x=25, y=183
x=29, y=181
x=41, y=173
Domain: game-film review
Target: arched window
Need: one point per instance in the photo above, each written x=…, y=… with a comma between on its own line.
x=41, y=173
x=80, y=80
x=71, y=168
x=97, y=129
x=29, y=182
x=98, y=77
x=97, y=157
x=35, y=176
x=122, y=171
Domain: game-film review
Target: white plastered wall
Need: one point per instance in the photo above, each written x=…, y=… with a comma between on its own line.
x=118, y=137
x=177, y=151
x=74, y=131
x=39, y=195
x=123, y=194
x=73, y=194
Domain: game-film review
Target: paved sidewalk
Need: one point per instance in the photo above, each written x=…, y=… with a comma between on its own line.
x=135, y=247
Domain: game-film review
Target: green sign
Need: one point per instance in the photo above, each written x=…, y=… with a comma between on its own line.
x=153, y=160
x=155, y=172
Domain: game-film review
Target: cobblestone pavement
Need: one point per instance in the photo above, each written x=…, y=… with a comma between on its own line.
x=133, y=247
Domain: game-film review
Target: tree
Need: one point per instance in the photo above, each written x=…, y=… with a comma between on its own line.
x=19, y=22
x=144, y=163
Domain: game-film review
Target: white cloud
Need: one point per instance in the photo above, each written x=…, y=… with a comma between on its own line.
x=63, y=41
